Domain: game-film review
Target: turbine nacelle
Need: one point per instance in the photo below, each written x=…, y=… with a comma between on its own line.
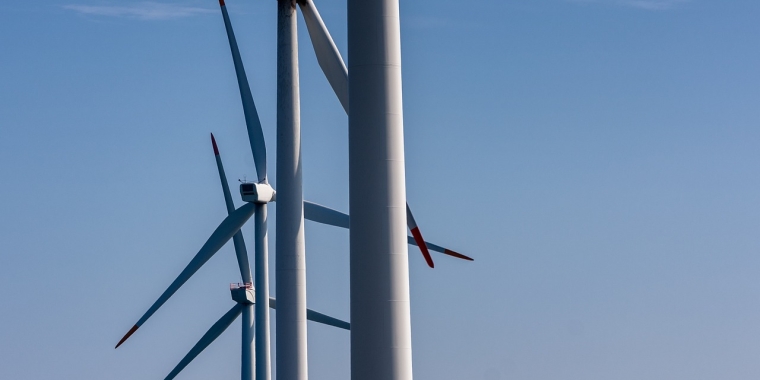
x=243, y=294
x=257, y=192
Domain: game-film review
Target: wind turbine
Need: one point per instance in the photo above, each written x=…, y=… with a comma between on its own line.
x=244, y=296
x=380, y=310
x=334, y=68
x=257, y=195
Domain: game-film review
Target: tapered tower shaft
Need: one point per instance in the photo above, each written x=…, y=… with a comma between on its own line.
x=261, y=279
x=290, y=260
x=248, y=360
x=381, y=346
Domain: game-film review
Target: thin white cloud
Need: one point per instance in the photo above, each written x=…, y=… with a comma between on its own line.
x=651, y=5
x=141, y=11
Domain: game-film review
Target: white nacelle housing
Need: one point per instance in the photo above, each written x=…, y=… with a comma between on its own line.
x=257, y=192
x=243, y=295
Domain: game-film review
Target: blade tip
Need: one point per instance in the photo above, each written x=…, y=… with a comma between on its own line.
x=428, y=258
x=213, y=142
x=221, y=3
x=127, y=335
x=458, y=255
x=417, y=235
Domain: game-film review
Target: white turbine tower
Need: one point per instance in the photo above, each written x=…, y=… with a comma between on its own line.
x=335, y=71
x=381, y=333
x=381, y=330
x=292, y=363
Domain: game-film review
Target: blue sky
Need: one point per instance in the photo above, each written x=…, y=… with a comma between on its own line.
x=598, y=158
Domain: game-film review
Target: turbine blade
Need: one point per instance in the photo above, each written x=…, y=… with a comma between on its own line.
x=242, y=257
x=127, y=335
x=237, y=239
x=438, y=248
x=321, y=214
x=418, y=236
x=325, y=215
x=252, y=122
x=221, y=236
x=327, y=53
x=211, y=335
x=317, y=317
x=327, y=320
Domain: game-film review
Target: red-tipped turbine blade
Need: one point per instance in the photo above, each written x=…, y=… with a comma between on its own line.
x=457, y=255
x=446, y=251
x=418, y=236
x=129, y=333
x=423, y=247
x=226, y=230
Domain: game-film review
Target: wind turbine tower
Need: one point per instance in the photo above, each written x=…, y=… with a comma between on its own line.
x=290, y=263
x=381, y=341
